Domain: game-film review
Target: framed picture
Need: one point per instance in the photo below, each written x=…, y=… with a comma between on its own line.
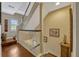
x=54, y=32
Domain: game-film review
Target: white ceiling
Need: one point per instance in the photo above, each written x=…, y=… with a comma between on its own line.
x=15, y=7
x=20, y=7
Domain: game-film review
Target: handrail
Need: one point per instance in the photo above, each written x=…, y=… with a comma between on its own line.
x=31, y=30
x=26, y=10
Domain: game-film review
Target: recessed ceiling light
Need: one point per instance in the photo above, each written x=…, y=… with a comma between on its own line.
x=57, y=3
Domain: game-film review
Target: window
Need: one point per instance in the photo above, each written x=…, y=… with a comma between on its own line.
x=13, y=25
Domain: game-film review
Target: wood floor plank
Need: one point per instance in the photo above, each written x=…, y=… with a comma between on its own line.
x=15, y=50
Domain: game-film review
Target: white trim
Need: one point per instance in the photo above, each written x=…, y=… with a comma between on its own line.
x=73, y=6
x=20, y=42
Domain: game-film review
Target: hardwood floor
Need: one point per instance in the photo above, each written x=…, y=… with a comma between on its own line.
x=15, y=50
x=8, y=42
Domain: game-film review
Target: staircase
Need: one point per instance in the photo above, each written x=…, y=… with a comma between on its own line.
x=29, y=24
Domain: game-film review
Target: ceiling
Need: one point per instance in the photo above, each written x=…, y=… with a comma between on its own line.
x=16, y=7
x=20, y=7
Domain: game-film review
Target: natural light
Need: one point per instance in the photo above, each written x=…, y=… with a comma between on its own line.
x=13, y=24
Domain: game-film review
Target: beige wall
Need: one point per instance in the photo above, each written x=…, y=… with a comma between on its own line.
x=57, y=19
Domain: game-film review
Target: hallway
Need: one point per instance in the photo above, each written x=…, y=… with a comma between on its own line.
x=42, y=31
x=15, y=50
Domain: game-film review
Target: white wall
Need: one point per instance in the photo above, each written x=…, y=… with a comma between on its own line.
x=73, y=6
x=34, y=21
x=26, y=39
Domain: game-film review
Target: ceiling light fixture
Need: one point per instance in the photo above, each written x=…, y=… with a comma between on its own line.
x=57, y=3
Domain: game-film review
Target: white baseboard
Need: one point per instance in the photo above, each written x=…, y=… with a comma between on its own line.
x=42, y=54
x=27, y=48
